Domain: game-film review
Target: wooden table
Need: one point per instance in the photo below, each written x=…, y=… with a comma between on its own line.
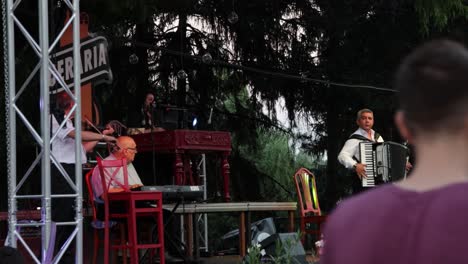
x=183, y=143
x=190, y=211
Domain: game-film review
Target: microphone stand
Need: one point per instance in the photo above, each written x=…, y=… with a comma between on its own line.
x=153, y=151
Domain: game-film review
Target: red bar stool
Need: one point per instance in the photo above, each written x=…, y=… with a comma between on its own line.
x=99, y=225
x=109, y=169
x=154, y=209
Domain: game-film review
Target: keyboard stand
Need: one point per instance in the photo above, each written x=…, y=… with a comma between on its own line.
x=175, y=242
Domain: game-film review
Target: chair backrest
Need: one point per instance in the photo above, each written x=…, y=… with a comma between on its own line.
x=307, y=192
x=89, y=186
x=109, y=170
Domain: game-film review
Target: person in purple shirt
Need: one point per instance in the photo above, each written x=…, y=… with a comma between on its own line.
x=424, y=218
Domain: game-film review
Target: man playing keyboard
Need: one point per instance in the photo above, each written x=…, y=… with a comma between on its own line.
x=125, y=148
x=349, y=154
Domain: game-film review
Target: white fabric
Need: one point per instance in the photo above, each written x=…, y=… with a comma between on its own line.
x=351, y=148
x=63, y=146
x=133, y=178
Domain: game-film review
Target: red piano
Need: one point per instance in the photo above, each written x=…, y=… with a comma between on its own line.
x=183, y=143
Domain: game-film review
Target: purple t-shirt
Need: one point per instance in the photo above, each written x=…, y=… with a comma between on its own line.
x=392, y=225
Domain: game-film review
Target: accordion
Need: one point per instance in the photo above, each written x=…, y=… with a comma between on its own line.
x=385, y=162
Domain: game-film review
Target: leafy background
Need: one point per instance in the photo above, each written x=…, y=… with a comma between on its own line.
x=307, y=54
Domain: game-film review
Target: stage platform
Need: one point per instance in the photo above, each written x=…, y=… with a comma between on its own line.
x=243, y=211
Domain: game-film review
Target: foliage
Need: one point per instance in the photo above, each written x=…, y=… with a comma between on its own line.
x=277, y=162
x=438, y=13
x=301, y=51
x=272, y=156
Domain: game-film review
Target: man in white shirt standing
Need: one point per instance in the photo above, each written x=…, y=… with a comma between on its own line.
x=63, y=149
x=349, y=154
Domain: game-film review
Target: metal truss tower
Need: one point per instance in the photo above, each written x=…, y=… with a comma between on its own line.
x=202, y=219
x=42, y=44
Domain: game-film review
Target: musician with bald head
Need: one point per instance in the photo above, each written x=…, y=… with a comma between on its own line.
x=124, y=148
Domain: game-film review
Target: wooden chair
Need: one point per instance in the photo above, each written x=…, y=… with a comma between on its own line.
x=311, y=217
x=109, y=169
x=99, y=225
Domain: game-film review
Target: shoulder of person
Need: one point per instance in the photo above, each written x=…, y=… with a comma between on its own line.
x=359, y=204
x=356, y=136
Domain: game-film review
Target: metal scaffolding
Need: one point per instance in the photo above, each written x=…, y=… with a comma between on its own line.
x=202, y=219
x=13, y=92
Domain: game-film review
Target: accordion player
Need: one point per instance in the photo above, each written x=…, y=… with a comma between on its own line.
x=385, y=162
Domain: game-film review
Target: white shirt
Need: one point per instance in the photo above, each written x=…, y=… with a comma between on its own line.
x=63, y=146
x=133, y=178
x=351, y=148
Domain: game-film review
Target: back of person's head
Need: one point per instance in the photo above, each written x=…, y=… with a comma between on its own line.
x=432, y=83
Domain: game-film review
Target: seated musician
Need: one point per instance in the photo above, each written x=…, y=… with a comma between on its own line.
x=125, y=148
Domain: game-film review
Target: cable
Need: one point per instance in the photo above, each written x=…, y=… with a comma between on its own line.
x=268, y=72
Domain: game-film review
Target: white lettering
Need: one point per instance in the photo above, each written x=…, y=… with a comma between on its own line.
x=51, y=79
x=60, y=67
x=81, y=66
x=68, y=68
x=102, y=55
x=95, y=56
x=87, y=60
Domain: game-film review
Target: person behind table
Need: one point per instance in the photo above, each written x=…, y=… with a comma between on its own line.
x=147, y=111
x=145, y=116
x=421, y=219
x=63, y=149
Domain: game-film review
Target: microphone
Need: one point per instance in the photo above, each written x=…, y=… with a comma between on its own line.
x=153, y=104
x=211, y=114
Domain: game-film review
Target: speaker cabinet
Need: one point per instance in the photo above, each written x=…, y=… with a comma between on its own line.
x=289, y=242
x=258, y=231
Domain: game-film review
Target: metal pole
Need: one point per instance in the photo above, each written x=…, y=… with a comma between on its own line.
x=45, y=127
x=78, y=144
x=11, y=122
x=205, y=197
